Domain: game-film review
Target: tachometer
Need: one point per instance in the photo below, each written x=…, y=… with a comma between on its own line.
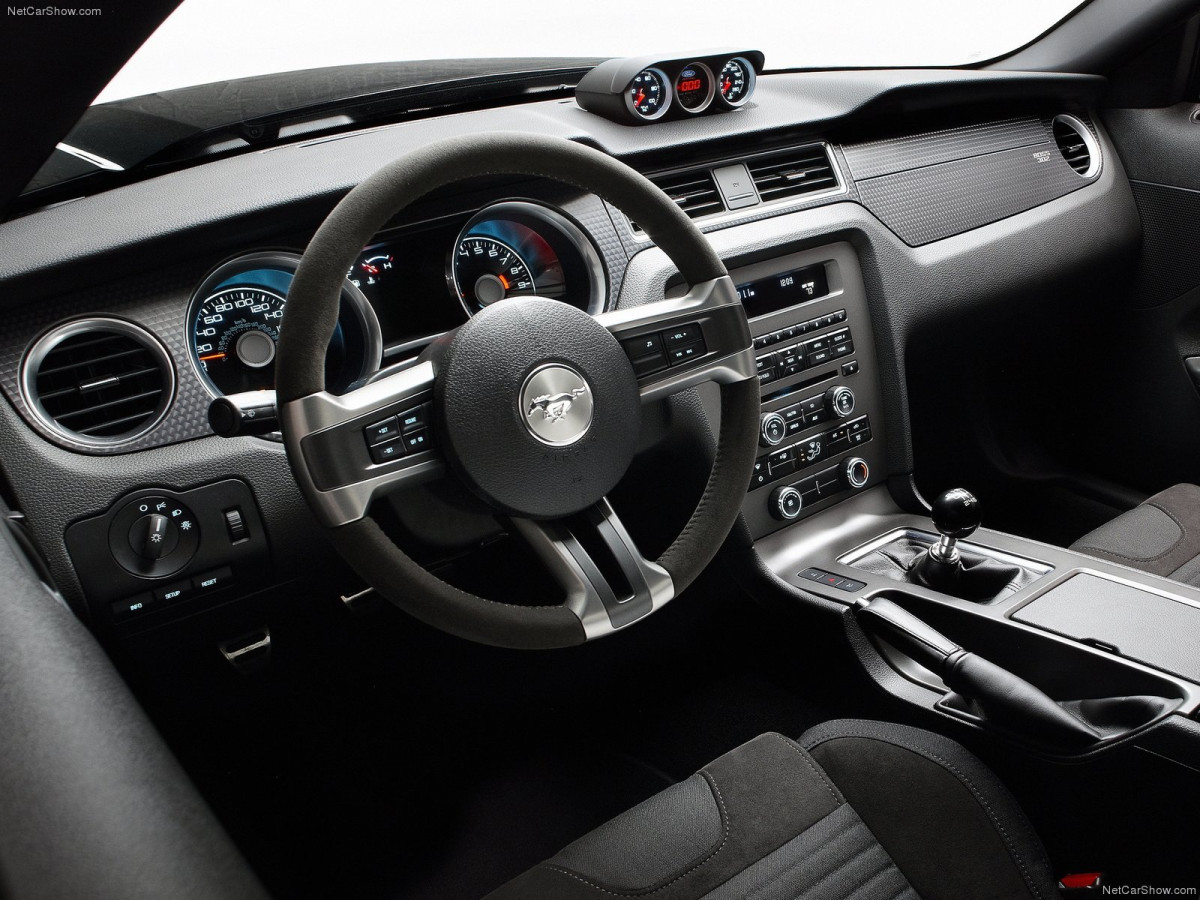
x=518, y=248
x=487, y=269
x=235, y=334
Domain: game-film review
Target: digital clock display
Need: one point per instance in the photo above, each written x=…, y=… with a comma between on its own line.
x=768, y=295
x=694, y=87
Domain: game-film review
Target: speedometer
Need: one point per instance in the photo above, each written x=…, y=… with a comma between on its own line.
x=236, y=316
x=236, y=331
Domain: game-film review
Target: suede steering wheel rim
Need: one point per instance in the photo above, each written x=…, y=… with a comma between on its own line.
x=484, y=372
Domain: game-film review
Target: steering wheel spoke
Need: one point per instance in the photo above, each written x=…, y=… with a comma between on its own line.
x=608, y=583
x=681, y=342
x=363, y=444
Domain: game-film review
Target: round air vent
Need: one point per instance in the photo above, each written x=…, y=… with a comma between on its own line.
x=98, y=381
x=1077, y=145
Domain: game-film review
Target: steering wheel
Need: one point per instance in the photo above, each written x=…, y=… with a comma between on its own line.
x=533, y=404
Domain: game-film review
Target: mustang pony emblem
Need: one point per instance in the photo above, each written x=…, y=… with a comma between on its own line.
x=554, y=406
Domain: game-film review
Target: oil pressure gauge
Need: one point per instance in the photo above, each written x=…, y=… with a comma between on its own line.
x=648, y=95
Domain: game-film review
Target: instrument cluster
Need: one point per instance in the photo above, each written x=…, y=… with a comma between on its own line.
x=405, y=288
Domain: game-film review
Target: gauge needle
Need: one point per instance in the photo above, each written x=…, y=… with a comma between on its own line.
x=503, y=281
x=725, y=86
x=371, y=270
x=640, y=97
x=212, y=356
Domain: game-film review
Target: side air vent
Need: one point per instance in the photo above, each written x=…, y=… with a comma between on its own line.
x=98, y=381
x=693, y=191
x=1076, y=144
x=791, y=173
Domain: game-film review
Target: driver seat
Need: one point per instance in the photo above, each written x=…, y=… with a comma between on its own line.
x=853, y=809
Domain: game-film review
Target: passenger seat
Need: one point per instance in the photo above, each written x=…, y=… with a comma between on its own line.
x=1162, y=536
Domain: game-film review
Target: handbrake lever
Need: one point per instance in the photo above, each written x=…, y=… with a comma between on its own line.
x=1005, y=700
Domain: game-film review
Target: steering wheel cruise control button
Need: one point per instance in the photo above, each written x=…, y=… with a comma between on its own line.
x=417, y=440
x=383, y=431
x=393, y=449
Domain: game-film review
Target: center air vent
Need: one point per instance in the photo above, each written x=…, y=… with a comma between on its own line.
x=98, y=381
x=790, y=173
x=693, y=191
x=1076, y=144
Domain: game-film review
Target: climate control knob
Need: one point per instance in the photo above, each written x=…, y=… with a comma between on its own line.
x=785, y=503
x=855, y=472
x=773, y=430
x=839, y=401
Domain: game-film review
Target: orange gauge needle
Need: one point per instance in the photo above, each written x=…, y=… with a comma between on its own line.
x=212, y=356
x=503, y=281
x=640, y=97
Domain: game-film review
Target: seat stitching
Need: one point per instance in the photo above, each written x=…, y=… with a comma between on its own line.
x=1016, y=856
x=804, y=860
x=891, y=864
x=645, y=893
x=808, y=760
x=824, y=878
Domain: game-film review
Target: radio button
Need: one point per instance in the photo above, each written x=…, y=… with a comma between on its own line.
x=840, y=401
x=773, y=429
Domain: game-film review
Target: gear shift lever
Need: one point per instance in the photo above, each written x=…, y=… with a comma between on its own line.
x=955, y=516
x=943, y=566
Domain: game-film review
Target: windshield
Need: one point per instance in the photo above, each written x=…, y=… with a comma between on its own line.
x=218, y=40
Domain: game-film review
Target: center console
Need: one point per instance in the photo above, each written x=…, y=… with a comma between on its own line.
x=821, y=427
x=1112, y=647
x=1046, y=647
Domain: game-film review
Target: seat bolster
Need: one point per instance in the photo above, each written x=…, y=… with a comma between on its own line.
x=951, y=827
x=690, y=839
x=1161, y=536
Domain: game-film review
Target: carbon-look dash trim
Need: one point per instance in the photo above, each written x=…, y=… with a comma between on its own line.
x=885, y=156
x=935, y=202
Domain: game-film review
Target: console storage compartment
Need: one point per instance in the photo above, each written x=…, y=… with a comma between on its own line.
x=1151, y=628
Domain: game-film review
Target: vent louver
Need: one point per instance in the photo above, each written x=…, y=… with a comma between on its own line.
x=791, y=173
x=1076, y=145
x=693, y=191
x=98, y=381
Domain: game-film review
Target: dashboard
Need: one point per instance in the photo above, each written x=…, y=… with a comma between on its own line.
x=847, y=220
